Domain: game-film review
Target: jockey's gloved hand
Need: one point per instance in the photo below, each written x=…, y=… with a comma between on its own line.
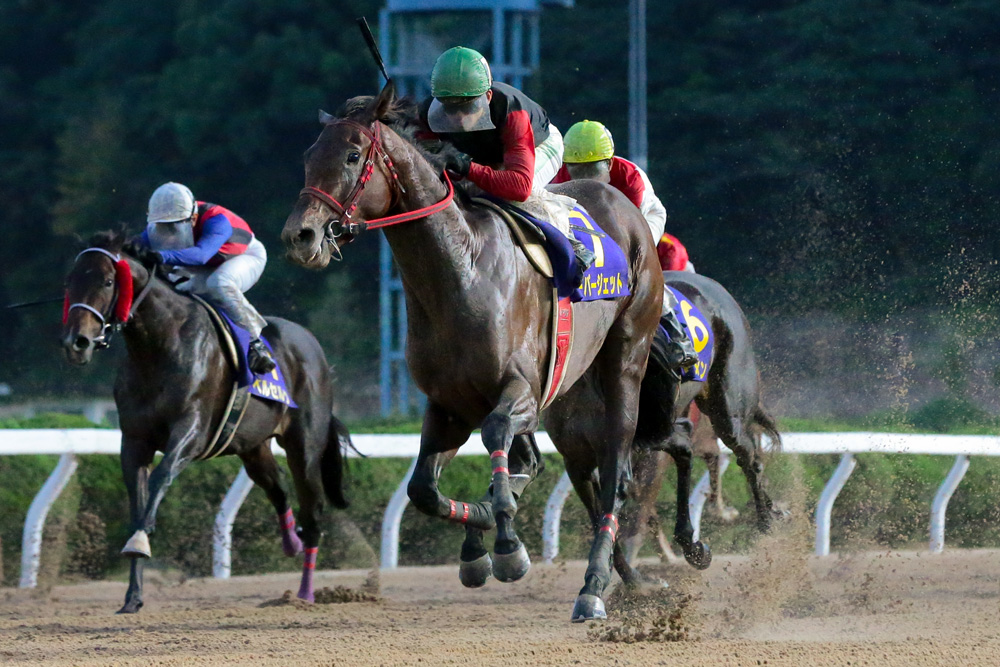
x=147, y=257
x=458, y=162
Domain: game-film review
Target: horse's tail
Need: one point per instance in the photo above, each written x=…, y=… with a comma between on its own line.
x=767, y=424
x=333, y=463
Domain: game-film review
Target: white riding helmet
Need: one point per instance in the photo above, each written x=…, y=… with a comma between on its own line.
x=171, y=202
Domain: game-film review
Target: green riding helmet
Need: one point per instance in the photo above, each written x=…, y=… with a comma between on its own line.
x=588, y=141
x=459, y=82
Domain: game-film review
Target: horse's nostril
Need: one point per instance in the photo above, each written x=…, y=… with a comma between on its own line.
x=81, y=343
x=305, y=236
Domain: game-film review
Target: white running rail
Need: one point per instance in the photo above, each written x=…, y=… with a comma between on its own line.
x=69, y=442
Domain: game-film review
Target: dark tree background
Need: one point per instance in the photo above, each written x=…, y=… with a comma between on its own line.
x=822, y=159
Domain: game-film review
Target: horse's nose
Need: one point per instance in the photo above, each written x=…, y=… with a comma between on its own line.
x=78, y=343
x=305, y=237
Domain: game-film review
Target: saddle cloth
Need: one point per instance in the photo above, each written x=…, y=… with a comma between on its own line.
x=699, y=330
x=607, y=277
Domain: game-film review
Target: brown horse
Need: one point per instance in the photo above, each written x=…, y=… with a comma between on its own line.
x=172, y=390
x=479, y=324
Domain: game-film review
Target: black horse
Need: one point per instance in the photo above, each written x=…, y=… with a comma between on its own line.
x=172, y=392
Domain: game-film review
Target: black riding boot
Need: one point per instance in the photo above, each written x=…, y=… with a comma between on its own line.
x=259, y=358
x=681, y=347
x=584, y=259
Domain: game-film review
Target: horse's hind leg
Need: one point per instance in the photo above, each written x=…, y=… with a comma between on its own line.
x=736, y=435
x=265, y=473
x=309, y=489
x=525, y=464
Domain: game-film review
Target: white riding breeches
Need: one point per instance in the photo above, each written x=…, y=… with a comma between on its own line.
x=223, y=285
x=548, y=158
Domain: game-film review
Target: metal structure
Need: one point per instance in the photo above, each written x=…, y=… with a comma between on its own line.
x=412, y=33
x=638, y=142
x=70, y=442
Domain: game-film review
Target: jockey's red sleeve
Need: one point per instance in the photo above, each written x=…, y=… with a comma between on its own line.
x=514, y=180
x=626, y=178
x=562, y=176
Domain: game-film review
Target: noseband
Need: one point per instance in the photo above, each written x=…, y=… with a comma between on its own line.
x=121, y=306
x=342, y=222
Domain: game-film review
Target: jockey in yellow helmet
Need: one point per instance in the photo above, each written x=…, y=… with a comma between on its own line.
x=589, y=153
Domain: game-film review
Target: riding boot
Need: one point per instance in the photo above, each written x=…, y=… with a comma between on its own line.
x=259, y=358
x=681, y=347
x=584, y=259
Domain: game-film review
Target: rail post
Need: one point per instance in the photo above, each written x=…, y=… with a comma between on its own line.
x=222, y=542
x=392, y=518
x=940, y=505
x=696, y=504
x=553, y=515
x=34, y=523
x=826, y=500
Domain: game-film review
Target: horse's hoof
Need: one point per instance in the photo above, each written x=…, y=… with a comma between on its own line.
x=513, y=566
x=291, y=544
x=588, y=608
x=475, y=573
x=729, y=514
x=307, y=595
x=698, y=555
x=130, y=608
x=138, y=545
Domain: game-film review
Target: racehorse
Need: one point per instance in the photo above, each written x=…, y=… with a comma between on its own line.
x=172, y=391
x=479, y=319
x=730, y=398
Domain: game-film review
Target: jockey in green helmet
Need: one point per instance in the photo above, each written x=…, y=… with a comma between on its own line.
x=506, y=144
x=589, y=153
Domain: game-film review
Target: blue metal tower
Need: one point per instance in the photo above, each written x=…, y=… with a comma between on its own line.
x=412, y=34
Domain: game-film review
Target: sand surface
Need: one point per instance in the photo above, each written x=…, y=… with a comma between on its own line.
x=890, y=608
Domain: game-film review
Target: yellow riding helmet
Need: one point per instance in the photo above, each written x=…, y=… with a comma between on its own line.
x=588, y=141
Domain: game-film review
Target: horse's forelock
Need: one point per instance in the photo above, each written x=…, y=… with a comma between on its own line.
x=111, y=239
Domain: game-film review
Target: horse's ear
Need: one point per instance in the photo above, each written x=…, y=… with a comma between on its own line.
x=381, y=104
x=324, y=117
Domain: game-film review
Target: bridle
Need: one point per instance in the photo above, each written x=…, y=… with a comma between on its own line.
x=122, y=304
x=342, y=222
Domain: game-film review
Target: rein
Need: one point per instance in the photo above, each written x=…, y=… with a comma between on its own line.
x=122, y=305
x=342, y=223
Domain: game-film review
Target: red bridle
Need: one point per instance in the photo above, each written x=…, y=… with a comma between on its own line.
x=342, y=222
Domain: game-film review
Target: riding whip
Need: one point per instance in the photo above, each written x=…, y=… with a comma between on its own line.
x=366, y=32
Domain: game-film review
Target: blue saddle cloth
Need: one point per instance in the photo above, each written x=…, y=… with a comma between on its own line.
x=607, y=277
x=699, y=330
x=271, y=386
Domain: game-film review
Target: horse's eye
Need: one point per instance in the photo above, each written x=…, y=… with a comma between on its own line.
x=353, y=157
x=109, y=282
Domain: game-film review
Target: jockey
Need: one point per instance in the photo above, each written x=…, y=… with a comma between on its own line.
x=673, y=255
x=504, y=140
x=218, y=248
x=590, y=154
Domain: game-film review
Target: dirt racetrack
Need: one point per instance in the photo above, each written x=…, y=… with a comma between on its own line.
x=873, y=608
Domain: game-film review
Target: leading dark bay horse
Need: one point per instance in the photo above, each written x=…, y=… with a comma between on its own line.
x=172, y=392
x=479, y=321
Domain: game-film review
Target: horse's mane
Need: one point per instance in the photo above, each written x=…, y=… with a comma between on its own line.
x=111, y=240
x=403, y=116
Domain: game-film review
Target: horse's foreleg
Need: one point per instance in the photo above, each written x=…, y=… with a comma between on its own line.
x=135, y=471
x=440, y=438
x=525, y=464
x=173, y=462
x=514, y=416
x=696, y=553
